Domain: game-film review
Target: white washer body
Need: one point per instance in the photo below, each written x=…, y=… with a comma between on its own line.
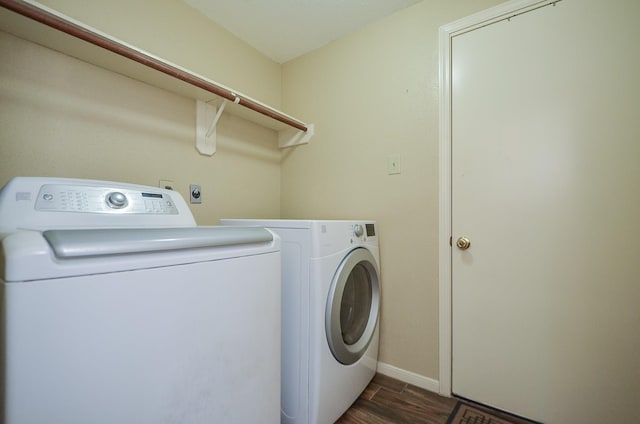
x=133, y=314
x=317, y=388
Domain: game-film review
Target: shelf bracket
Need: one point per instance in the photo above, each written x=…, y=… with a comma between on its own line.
x=205, y=127
x=291, y=137
x=207, y=118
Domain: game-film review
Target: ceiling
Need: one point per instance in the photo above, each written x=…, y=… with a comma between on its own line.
x=286, y=29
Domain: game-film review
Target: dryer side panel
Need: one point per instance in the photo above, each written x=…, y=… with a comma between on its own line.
x=295, y=324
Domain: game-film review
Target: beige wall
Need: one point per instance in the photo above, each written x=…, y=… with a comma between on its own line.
x=63, y=117
x=373, y=94
x=178, y=33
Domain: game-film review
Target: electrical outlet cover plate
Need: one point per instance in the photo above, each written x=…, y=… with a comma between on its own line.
x=195, y=193
x=166, y=184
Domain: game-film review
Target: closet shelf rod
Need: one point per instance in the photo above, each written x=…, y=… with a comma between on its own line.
x=49, y=19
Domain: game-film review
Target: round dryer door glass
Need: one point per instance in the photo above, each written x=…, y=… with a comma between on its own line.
x=355, y=306
x=352, y=306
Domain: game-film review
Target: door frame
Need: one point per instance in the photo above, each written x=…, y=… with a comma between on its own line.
x=446, y=34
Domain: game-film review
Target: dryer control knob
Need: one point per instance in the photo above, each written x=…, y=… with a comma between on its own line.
x=116, y=200
x=358, y=231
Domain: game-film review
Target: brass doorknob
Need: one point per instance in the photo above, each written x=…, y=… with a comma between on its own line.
x=463, y=243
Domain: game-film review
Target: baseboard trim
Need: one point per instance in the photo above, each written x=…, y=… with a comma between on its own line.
x=409, y=377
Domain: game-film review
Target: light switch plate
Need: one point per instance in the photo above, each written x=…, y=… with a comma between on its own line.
x=393, y=164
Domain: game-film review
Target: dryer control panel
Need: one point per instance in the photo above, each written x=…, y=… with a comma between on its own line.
x=369, y=229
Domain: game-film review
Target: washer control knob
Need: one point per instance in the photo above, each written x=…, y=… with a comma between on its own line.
x=358, y=231
x=116, y=200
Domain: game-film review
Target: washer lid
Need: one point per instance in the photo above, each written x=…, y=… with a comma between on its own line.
x=32, y=255
x=99, y=242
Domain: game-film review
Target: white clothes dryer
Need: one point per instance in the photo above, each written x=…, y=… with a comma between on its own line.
x=117, y=308
x=330, y=310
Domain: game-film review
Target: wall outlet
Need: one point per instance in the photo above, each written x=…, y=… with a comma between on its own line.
x=195, y=193
x=393, y=164
x=166, y=184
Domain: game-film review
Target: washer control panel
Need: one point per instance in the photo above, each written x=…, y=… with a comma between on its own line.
x=81, y=198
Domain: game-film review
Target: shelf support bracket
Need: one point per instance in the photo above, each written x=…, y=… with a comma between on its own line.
x=206, y=128
x=292, y=137
x=207, y=118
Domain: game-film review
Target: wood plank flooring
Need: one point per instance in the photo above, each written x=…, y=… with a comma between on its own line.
x=390, y=401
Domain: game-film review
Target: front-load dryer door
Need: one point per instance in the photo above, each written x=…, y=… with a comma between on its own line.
x=352, y=306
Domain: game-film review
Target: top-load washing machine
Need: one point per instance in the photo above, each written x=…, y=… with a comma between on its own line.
x=330, y=310
x=117, y=308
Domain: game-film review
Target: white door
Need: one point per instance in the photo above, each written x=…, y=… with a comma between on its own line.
x=546, y=186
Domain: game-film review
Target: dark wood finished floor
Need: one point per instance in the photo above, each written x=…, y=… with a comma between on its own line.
x=389, y=401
